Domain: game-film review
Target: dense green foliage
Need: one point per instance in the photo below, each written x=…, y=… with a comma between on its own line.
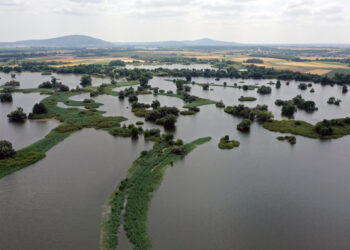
x=289, y=107
x=259, y=112
x=6, y=97
x=264, y=90
x=334, y=101
x=244, y=125
x=6, y=149
x=17, y=116
x=225, y=143
x=85, y=80
x=254, y=60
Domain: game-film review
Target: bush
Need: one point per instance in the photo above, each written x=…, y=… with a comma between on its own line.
x=6, y=149
x=288, y=109
x=225, y=143
x=178, y=150
x=17, y=115
x=155, y=104
x=278, y=84
x=247, y=99
x=220, y=104
x=302, y=86
x=205, y=86
x=6, y=97
x=39, y=108
x=244, y=125
x=133, y=98
x=264, y=90
x=85, y=80
x=345, y=89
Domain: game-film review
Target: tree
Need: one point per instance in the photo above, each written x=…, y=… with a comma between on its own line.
x=205, y=86
x=187, y=88
x=264, y=90
x=6, y=149
x=133, y=98
x=155, y=104
x=345, y=89
x=117, y=63
x=64, y=88
x=278, y=84
x=17, y=115
x=144, y=81
x=85, y=80
x=121, y=95
x=288, y=109
x=244, y=125
x=179, y=85
x=302, y=86
x=39, y=108
x=188, y=77
x=6, y=97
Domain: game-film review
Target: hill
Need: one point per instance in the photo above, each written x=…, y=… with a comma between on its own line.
x=64, y=41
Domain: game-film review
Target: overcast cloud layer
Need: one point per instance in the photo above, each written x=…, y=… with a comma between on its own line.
x=249, y=21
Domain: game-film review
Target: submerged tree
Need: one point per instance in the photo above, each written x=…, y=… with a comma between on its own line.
x=17, y=115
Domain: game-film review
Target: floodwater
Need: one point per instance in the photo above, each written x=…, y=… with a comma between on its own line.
x=28, y=132
x=266, y=194
x=57, y=203
x=32, y=80
x=170, y=66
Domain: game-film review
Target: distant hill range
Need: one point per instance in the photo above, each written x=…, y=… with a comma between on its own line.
x=205, y=42
x=75, y=41
x=80, y=41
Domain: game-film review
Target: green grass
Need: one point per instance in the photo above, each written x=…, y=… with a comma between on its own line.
x=198, y=102
x=223, y=144
x=145, y=176
x=246, y=99
x=305, y=129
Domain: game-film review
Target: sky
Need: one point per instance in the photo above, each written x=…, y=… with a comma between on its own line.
x=245, y=21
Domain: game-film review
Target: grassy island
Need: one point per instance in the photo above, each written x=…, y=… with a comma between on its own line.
x=225, y=143
x=135, y=192
x=326, y=129
x=247, y=99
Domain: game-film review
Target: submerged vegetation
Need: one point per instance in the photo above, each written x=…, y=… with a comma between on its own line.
x=246, y=99
x=291, y=139
x=135, y=192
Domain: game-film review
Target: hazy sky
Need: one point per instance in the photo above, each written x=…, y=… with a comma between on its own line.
x=251, y=21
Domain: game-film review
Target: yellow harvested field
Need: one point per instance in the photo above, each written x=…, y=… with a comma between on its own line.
x=313, y=65
x=319, y=71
